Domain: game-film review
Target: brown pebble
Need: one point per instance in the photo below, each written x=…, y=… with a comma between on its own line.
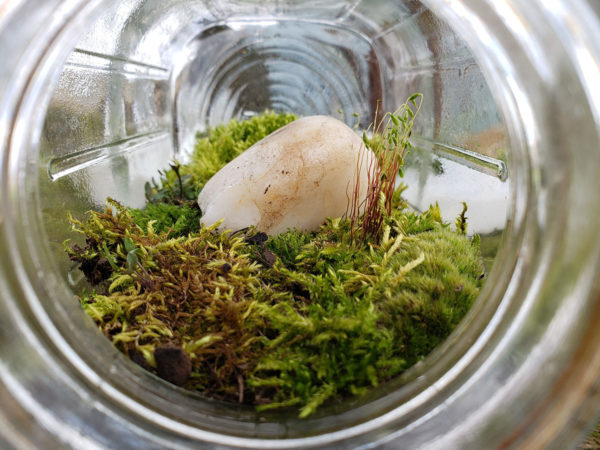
x=172, y=364
x=269, y=258
x=259, y=238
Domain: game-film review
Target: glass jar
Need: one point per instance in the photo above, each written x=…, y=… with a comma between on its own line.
x=95, y=96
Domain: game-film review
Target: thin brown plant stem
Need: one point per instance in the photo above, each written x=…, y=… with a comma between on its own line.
x=389, y=144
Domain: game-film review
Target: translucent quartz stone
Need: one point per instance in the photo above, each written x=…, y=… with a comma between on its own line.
x=294, y=178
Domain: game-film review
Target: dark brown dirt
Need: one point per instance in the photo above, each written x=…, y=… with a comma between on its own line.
x=172, y=364
x=95, y=270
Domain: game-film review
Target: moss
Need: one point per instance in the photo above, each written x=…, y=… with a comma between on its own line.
x=211, y=152
x=297, y=319
x=178, y=220
x=592, y=441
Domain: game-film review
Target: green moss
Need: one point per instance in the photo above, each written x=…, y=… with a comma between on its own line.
x=211, y=152
x=225, y=142
x=592, y=441
x=297, y=319
x=179, y=220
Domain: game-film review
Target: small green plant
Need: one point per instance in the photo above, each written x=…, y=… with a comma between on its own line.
x=293, y=320
x=389, y=143
x=461, y=220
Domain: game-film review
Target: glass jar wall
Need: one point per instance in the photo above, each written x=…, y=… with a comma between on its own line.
x=96, y=96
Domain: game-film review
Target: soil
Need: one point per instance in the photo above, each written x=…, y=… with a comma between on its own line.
x=95, y=270
x=172, y=364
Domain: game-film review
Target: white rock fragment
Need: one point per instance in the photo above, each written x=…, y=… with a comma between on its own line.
x=294, y=178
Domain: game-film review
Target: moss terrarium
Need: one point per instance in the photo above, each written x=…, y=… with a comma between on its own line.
x=292, y=319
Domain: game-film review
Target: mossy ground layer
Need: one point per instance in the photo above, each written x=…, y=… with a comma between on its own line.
x=292, y=320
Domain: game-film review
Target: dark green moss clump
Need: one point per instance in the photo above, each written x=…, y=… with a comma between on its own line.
x=296, y=319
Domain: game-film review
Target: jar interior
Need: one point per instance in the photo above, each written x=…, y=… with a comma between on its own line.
x=148, y=76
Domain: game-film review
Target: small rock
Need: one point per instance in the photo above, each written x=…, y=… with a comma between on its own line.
x=259, y=238
x=294, y=178
x=269, y=258
x=172, y=364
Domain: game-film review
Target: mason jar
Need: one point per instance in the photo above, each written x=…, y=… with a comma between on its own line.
x=96, y=96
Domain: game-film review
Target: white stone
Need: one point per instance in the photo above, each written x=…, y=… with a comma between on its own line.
x=294, y=178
